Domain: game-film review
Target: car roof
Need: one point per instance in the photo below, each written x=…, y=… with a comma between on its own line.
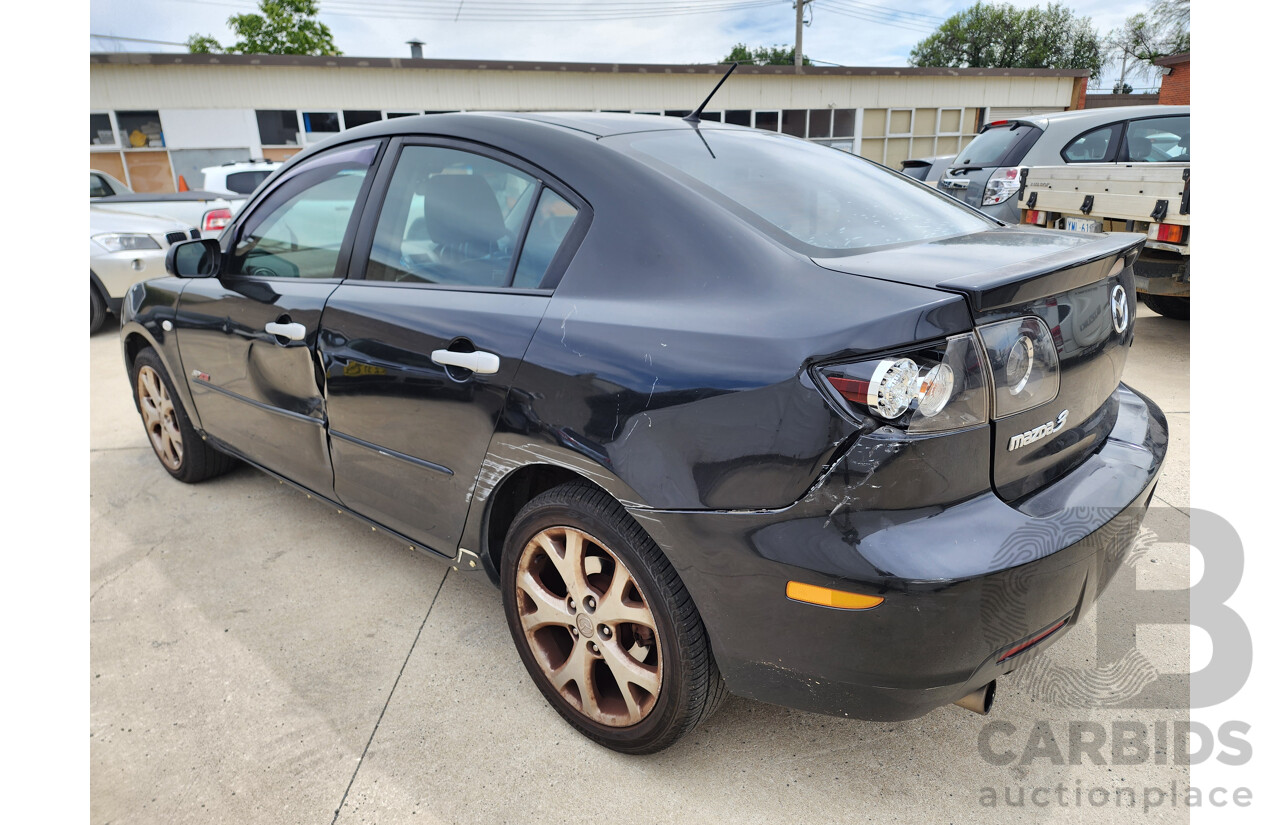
x=1106, y=114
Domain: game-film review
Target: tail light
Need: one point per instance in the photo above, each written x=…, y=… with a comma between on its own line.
x=215, y=220
x=932, y=389
x=1024, y=364
x=1002, y=185
x=1170, y=233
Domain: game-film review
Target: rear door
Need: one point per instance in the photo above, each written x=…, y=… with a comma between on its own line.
x=421, y=352
x=248, y=337
x=1001, y=144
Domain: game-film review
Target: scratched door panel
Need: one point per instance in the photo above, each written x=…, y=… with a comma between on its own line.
x=407, y=435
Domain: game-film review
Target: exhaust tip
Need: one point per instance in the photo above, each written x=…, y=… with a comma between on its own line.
x=980, y=700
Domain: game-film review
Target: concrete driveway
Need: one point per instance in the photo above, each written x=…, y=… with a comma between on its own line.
x=257, y=657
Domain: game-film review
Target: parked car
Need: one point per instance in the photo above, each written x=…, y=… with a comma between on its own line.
x=238, y=177
x=210, y=211
x=988, y=173
x=125, y=249
x=927, y=170
x=716, y=409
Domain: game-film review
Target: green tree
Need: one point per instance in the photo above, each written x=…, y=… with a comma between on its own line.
x=764, y=56
x=991, y=35
x=283, y=27
x=1163, y=29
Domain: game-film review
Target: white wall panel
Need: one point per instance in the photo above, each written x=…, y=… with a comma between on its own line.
x=209, y=128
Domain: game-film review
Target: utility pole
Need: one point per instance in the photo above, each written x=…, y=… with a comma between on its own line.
x=800, y=33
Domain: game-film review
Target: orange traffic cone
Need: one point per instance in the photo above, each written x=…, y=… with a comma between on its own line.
x=182, y=184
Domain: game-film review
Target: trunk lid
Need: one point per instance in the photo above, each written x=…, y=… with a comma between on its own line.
x=1068, y=282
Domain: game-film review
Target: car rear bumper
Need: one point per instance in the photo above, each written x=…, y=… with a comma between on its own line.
x=962, y=584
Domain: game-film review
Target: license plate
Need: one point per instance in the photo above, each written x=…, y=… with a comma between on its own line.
x=1083, y=225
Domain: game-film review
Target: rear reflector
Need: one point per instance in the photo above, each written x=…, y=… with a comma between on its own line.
x=826, y=597
x=1034, y=640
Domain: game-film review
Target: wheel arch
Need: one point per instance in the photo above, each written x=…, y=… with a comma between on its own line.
x=514, y=471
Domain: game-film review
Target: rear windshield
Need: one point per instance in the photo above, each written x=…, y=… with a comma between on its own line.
x=991, y=147
x=815, y=199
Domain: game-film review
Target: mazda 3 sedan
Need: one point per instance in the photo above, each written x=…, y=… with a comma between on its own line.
x=716, y=410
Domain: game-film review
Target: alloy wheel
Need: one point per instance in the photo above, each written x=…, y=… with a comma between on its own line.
x=589, y=626
x=159, y=417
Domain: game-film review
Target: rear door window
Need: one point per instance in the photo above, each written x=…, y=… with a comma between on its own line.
x=994, y=147
x=1094, y=146
x=1159, y=140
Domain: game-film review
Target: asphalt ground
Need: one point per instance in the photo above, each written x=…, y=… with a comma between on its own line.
x=257, y=657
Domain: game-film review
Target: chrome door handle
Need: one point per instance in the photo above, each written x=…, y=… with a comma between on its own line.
x=294, y=332
x=484, y=363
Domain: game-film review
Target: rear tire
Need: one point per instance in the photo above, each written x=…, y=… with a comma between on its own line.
x=181, y=451
x=97, y=309
x=603, y=623
x=1169, y=306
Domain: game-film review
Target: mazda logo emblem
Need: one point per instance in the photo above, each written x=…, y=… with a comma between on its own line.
x=1119, y=309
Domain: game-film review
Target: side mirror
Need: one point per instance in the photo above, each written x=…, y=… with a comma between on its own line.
x=199, y=258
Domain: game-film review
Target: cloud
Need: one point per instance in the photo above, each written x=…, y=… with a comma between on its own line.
x=834, y=35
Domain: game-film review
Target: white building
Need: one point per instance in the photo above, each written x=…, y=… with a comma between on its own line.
x=155, y=117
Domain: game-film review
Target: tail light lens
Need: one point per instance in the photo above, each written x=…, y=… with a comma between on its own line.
x=1024, y=364
x=215, y=220
x=928, y=390
x=1002, y=185
x=1168, y=232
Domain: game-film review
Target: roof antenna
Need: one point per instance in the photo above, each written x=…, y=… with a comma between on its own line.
x=696, y=115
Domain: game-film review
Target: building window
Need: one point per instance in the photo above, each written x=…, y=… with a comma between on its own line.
x=842, y=122
x=795, y=122
x=102, y=132
x=140, y=130
x=819, y=123
x=351, y=118
x=768, y=120
x=738, y=117
x=278, y=127
x=320, y=125
x=390, y=114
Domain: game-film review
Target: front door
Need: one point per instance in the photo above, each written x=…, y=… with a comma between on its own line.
x=421, y=353
x=248, y=337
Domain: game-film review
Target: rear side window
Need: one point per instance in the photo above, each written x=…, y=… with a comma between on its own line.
x=816, y=200
x=243, y=183
x=98, y=187
x=1093, y=146
x=1159, y=140
x=450, y=217
x=550, y=225
x=993, y=146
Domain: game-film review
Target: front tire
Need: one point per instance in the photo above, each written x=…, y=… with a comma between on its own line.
x=182, y=452
x=603, y=624
x=1170, y=306
x=97, y=309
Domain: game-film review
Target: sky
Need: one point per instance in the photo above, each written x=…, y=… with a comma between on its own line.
x=845, y=32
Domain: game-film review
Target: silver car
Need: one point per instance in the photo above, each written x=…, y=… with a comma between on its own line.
x=125, y=248
x=987, y=174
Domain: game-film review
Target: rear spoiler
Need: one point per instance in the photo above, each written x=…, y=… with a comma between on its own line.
x=1050, y=275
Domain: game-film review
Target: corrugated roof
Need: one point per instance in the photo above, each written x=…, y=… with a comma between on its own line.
x=309, y=61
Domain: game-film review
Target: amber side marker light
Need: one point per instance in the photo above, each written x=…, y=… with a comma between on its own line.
x=826, y=597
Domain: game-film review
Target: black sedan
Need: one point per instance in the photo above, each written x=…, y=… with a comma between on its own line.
x=717, y=410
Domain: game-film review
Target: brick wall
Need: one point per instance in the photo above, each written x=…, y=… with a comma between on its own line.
x=1175, y=87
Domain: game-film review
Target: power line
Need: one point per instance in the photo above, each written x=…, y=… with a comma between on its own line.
x=137, y=39
x=868, y=18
